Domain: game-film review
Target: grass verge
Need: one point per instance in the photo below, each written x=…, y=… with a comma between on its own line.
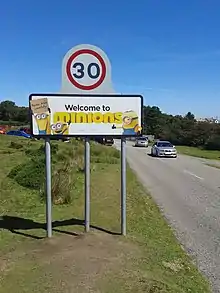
x=148, y=260
x=197, y=152
x=213, y=165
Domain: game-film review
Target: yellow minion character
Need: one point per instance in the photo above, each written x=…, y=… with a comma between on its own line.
x=60, y=128
x=129, y=123
x=43, y=123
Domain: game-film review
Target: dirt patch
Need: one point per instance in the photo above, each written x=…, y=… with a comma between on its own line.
x=69, y=264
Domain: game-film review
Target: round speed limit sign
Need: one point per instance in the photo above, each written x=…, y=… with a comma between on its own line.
x=86, y=69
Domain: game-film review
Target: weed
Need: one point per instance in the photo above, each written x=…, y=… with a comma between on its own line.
x=61, y=186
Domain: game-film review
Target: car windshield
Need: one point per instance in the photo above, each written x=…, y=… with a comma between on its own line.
x=142, y=138
x=164, y=145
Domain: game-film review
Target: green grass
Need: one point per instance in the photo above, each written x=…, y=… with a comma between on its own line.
x=148, y=260
x=197, y=152
x=213, y=165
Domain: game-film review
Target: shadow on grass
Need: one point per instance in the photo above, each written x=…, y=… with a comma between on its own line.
x=15, y=224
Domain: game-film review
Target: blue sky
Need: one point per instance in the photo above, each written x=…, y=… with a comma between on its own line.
x=169, y=51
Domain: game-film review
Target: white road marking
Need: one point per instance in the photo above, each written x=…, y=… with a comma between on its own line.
x=192, y=174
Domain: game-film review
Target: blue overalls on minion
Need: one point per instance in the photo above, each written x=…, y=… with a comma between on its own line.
x=129, y=131
x=43, y=132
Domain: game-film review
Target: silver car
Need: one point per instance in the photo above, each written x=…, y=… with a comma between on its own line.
x=163, y=149
x=141, y=142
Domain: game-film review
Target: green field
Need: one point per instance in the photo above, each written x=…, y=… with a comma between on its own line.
x=196, y=152
x=148, y=260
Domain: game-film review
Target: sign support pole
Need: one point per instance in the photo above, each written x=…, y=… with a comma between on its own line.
x=123, y=186
x=48, y=188
x=87, y=184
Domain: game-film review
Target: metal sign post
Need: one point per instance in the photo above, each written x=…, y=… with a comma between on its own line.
x=123, y=186
x=48, y=188
x=87, y=184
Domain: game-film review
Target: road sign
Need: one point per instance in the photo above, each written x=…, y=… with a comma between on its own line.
x=86, y=115
x=86, y=106
x=86, y=69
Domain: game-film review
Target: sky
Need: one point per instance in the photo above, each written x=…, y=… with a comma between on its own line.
x=167, y=50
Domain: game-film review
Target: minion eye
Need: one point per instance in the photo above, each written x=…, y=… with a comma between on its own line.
x=38, y=116
x=43, y=116
x=59, y=125
x=53, y=127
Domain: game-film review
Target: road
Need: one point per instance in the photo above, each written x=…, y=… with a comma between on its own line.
x=188, y=193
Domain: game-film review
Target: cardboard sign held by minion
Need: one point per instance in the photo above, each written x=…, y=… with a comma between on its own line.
x=41, y=112
x=130, y=123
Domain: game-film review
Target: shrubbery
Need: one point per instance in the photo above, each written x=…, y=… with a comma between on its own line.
x=30, y=174
x=181, y=130
x=15, y=145
x=67, y=167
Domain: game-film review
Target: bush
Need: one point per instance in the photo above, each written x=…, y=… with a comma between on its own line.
x=104, y=151
x=68, y=168
x=41, y=151
x=30, y=175
x=34, y=152
x=213, y=143
x=105, y=160
x=15, y=145
x=62, y=184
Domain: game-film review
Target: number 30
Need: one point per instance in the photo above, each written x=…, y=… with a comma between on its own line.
x=80, y=68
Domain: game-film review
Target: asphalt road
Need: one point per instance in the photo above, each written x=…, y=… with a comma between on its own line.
x=188, y=193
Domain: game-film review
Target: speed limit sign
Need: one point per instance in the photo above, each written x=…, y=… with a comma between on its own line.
x=86, y=68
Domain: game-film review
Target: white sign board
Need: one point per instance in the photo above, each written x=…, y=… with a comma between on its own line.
x=86, y=115
x=86, y=69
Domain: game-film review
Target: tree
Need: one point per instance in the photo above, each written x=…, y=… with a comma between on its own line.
x=153, y=120
x=22, y=114
x=10, y=112
x=7, y=110
x=190, y=116
x=181, y=130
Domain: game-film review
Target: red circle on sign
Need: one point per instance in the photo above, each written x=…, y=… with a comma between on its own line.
x=73, y=81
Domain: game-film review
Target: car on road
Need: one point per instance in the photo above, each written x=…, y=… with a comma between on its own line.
x=104, y=140
x=108, y=141
x=141, y=142
x=163, y=149
x=26, y=130
x=18, y=133
x=2, y=130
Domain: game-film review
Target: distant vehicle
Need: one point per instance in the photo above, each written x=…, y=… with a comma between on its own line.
x=108, y=141
x=98, y=139
x=163, y=149
x=141, y=142
x=103, y=140
x=18, y=133
x=2, y=130
x=25, y=129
